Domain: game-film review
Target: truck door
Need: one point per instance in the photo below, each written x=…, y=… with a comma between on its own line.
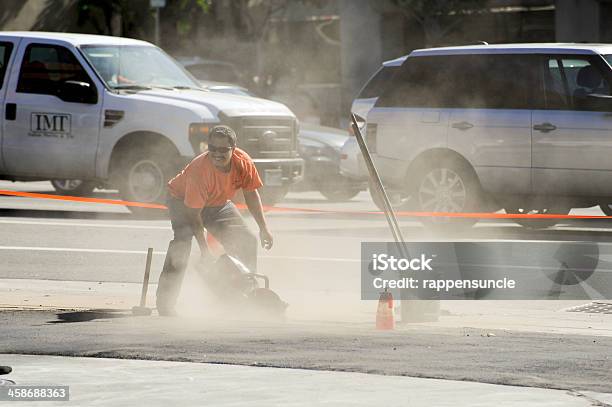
x=45, y=135
x=7, y=48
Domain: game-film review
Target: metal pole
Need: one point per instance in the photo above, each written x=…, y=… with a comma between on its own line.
x=380, y=189
x=157, y=26
x=424, y=310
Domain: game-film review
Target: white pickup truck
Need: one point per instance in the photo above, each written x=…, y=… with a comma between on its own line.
x=120, y=112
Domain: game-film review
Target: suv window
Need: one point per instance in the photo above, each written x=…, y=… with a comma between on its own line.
x=492, y=81
x=375, y=86
x=568, y=80
x=418, y=84
x=464, y=81
x=5, y=55
x=44, y=67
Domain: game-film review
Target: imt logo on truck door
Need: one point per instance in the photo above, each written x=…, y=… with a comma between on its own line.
x=56, y=125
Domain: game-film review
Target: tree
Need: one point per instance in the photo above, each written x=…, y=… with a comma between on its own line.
x=133, y=18
x=432, y=15
x=105, y=16
x=251, y=18
x=181, y=17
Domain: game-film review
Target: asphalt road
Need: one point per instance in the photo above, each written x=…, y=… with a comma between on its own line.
x=47, y=239
x=314, y=265
x=580, y=363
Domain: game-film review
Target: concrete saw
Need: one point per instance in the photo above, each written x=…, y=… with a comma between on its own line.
x=234, y=284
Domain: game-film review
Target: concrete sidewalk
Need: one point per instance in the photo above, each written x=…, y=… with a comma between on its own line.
x=329, y=306
x=105, y=382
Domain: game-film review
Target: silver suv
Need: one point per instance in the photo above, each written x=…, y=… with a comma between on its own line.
x=524, y=127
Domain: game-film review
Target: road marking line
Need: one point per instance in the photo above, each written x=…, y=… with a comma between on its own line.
x=311, y=259
x=74, y=249
x=159, y=253
x=81, y=199
x=102, y=225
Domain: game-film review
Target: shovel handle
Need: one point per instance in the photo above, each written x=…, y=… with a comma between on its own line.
x=145, y=281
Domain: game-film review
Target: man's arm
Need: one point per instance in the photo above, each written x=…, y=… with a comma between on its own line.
x=195, y=220
x=253, y=202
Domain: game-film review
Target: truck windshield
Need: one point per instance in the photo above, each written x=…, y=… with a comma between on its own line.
x=137, y=66
x=608, y=59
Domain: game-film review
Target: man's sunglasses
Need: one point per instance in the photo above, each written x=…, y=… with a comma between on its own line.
x=223, y=150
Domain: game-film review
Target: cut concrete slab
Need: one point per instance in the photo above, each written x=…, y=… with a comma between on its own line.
x=314, y=305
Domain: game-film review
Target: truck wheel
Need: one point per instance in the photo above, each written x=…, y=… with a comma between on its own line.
x=143, y=176
x=73, y=187
x=537, y=223
x=447, y=186
x=272, y=195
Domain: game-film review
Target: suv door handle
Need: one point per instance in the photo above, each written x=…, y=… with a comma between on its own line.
x=545, y=127
x=462, y=125
x=10, y=112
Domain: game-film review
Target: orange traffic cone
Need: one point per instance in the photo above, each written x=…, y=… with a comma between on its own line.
x=385, y=315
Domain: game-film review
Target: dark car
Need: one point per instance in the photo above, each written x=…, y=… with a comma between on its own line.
x=320, y=146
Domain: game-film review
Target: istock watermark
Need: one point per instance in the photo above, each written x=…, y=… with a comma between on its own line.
x=487, y=270
x=384, y=261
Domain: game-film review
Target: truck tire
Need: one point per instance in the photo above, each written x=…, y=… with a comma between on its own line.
x=143, y=175
x=272, y=195
x=73, y=187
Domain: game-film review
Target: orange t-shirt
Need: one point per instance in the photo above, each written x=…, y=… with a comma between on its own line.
x=201, y=184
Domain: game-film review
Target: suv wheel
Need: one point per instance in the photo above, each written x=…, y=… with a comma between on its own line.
x=448, y=186
x=537, y=223
x=143, y=177
x=74, y=187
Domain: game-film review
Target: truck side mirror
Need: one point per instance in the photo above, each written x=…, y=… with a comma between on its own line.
x=77, y=92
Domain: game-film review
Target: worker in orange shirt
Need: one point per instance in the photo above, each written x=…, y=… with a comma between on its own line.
x=199, y=200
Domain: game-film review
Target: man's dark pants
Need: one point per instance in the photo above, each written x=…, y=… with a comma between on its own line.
x=225, y=224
